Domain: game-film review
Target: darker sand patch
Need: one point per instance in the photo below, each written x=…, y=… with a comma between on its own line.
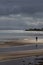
x=20, y=54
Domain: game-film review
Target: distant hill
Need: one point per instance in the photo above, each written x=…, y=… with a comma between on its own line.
x=35, y=29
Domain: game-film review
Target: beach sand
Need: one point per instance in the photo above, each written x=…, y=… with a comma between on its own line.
x=20, y=54
x=20, y=42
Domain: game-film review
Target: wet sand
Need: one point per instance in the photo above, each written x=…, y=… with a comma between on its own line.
x=20, y=42
x=20, y=54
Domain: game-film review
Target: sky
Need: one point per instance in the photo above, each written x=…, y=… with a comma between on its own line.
x=21, y=14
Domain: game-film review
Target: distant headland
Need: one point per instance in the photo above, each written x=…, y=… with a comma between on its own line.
x=34, y=29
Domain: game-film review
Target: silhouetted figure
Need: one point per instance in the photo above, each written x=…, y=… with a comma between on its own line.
x=36, y=41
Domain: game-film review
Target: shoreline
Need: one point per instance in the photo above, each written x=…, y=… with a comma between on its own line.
x=20, y=42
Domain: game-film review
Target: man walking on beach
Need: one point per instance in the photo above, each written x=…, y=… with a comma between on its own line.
x=36, y=41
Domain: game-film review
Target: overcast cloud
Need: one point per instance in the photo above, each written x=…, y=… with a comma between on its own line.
x=21, y=14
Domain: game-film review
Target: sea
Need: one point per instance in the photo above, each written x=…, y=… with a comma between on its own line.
x=19, y=34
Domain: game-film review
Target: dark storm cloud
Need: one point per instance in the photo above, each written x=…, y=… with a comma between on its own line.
x=21, y=14
x=20, y=6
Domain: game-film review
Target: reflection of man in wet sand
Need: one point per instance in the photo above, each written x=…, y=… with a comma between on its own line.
x=36, y=41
